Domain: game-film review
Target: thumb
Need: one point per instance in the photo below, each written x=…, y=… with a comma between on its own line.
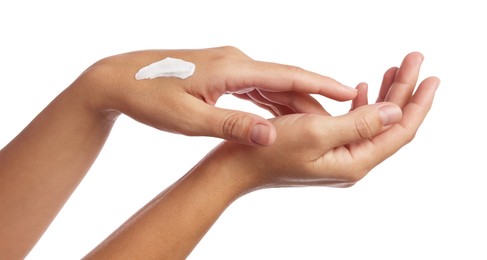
x=232, y=125
x=366, y=121
x=242, y=127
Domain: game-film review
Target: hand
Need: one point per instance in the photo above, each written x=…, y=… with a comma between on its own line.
x=339, y=151
x=310, y=149
x=187, y=106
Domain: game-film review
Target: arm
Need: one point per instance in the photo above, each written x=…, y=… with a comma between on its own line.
x=310, y=150
x=171, y=225
x=42, y=166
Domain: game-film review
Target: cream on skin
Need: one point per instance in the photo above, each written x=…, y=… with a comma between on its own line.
x=168, y=67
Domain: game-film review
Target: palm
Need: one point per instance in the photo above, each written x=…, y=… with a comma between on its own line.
x=356, y=159
x=338, y=160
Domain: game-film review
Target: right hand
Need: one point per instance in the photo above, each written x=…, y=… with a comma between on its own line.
x=339, y=151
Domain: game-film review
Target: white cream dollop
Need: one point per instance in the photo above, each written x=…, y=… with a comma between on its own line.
x=168, y=67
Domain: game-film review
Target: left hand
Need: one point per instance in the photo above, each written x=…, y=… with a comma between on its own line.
x=339, y=151
x=186, y=106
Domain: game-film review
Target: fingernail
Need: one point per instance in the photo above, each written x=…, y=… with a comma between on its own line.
x=390, y=114
x=260, y=134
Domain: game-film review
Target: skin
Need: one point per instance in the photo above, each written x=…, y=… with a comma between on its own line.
x=41, y=167
x=218, y=71
x=311, y=150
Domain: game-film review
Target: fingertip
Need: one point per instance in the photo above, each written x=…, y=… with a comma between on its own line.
x=431, y=82
x=361, y=86
x=391, y=72
x=361, y=98
x=349, y=94
x=416, y=56
x=437, y=82
x=340, y=93
x=350, y=89
x=418, y=53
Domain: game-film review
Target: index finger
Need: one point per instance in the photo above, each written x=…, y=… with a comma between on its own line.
x=275, y=77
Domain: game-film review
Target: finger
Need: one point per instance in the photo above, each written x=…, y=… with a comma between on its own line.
x=417, y=109
x=398, y=135
x=237, y=126
x=271, y=109
x=365, y=122
x=280, y=109
x=280, y=78
x=298, y=102
x=405, y=80
x=361, y=99
x=387, y=81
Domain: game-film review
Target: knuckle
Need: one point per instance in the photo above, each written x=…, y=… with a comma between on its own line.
x=296, y=72
x=226, y=58
x=313, y=130
x=235, y=126
x=362, y=127
x=294, y=69
x=410, y=136
x=230, y=49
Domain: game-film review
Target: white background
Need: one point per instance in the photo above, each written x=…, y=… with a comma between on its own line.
x=425, y=202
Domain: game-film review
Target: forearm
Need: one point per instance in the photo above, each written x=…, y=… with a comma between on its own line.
x=171, y=225
x=43, y=165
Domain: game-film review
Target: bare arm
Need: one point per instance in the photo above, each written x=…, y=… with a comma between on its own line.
x=172, y=224
x=42, y=166
x=310, y=150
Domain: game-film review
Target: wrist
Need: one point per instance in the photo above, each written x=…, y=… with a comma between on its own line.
x=228, y=162
x=172, y=224
x=94, y=88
